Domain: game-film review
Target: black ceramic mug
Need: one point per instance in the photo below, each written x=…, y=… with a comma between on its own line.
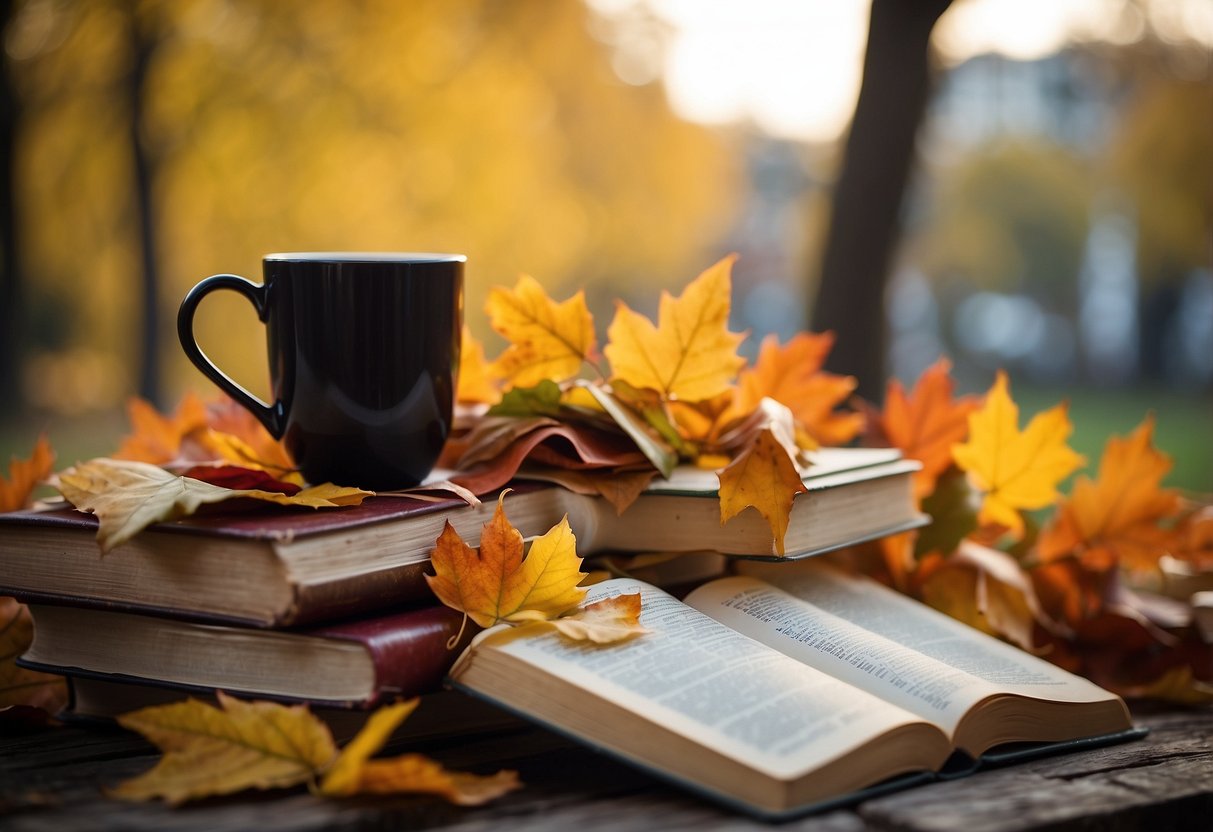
x=363, y=355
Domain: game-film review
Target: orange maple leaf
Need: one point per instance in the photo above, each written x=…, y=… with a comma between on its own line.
x=764, y=476
x=155, y=438
x=476, y=384
x=690, y=354
x=1117, y=517
x=495, y=583
x=548, y=340
x=25, y=474
x=926, y=423
x=1015, y=469
x=235, y=435
x=791, y=375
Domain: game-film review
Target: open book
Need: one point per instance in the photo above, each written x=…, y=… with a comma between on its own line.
x=780, y=698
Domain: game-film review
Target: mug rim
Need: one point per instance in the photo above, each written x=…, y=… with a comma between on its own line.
x=364, y=257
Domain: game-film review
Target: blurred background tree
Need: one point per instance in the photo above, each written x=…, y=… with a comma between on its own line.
x=1048, y=210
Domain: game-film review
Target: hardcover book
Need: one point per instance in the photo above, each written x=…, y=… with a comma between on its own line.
x=295, y=567
x=793, y=687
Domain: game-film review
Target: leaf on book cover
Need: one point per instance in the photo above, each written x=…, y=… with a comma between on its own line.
x=607, y=621
x=235, y=435
x=763, y=476
x=547, y=340
x=496, y=583
x=127, y=496
x=233, y=476
x=792, y=375
x=155, y=438
x=24, y=475
x=927, y=422
x=476, y=383
x=618, y=486
x=354, y=772
x=1015, y=470
x=19, y=687
x=690, y=354
x=237, y=746
x=1119, y=517
x=656, y=449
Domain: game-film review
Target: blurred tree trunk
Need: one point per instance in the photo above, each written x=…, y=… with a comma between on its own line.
x=865, y=224
x=143, y=47
x=11, y=295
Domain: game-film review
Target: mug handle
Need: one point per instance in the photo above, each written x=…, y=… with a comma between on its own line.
x=269, y=415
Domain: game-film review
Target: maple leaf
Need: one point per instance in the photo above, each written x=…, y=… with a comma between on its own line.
x=927, y=422
x=690, y=354
x=476, y=385
x=608, y=621
x=1115, y=519
x=20, y=687
x=1015, y=470
x=129, y=496
x=353, y=772
x=548, y=340
x=495, y=583
x=24, y=476
x=764, y=476
x=791, y=375
x=237, y=746
x=235, y=435
x=156, y=438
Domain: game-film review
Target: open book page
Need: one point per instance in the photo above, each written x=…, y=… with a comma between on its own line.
x=902, y=652
x=885, y=612
x=700, y=680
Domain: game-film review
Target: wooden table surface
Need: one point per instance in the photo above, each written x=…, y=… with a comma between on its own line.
x=51, y=781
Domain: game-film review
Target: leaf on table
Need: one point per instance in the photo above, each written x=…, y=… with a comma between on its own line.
x=1177, y=685
x=690, y=354
x=127, y=496
x=1118, y=518
x=237, y=746
x=547, y=340
x=19, y=687
x=927, y=422
x=354, y=772
x=476, y=382
x=764, y=476
x=608, y=621
x=24, y=475
x=155, y=438
x=792, y=375
x=496, y=583
x=1015, y=470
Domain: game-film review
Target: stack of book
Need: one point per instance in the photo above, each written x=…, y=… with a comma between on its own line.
x=784, y=689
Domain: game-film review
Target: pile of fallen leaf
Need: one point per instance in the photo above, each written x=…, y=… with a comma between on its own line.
x=1066, y=577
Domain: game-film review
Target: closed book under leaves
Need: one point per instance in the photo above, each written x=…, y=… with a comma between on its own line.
x=295, y=567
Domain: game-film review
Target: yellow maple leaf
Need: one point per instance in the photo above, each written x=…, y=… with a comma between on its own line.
x=235, y=435
x=608, y=621
x=927, y=422
x=763, y=476
x=1015, y=470
x=495, y=583
x=353, y=772
x=792, y=375
x=690, y=354
x=25, y=474
x=156, y=438
x=548, y=340
x=18, y=685
x=1116, y=518
x=476, y=384
x=128, y=496
x=237, y=746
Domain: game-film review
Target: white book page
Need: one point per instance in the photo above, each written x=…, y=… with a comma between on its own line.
x=885, y=612
x=698, y=678
x=839, y=648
